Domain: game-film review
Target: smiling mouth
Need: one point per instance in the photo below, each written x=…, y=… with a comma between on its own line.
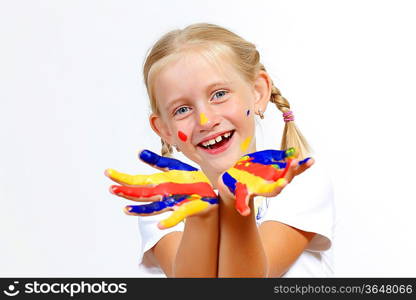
x=217, y=142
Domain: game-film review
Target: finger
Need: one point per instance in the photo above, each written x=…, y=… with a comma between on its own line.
x=166, y=204
x=307, y=163
x=290, y=171
x=150, y=209
x=229, y=182
x=165, y=189
x=267, y=157
x=255, y=184
x=187, y=209
x=267, y=172
x=156, y=207
x=164, y=163
x=127, y=179
x=174, y=176
x=242, y=198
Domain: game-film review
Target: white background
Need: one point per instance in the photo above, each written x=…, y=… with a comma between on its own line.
x=72, y=103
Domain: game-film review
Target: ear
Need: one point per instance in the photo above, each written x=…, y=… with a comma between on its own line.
x=160, y=128
x=262, y=91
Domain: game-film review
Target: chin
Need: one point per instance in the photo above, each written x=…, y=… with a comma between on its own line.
x=221, y=166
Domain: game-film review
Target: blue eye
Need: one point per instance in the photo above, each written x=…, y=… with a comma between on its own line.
x=219, y=94
x=181, y=110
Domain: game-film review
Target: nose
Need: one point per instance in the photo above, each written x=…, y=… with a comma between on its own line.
x=208, y=119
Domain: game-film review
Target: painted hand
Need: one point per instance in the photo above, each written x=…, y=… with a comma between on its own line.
x=180, y=187
x=263, y=173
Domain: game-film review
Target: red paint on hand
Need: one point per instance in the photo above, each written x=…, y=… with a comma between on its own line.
x=201, y=188
x=267, y=172
x=241, y=199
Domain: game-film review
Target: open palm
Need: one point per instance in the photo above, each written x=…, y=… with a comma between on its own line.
x=179, y=187
x=262, y=173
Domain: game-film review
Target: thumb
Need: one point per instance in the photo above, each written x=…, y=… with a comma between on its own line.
x=226, y=185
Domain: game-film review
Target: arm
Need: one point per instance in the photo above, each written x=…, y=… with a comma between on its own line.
x=241, y=252
x=282, y=244
x=193, y=252
x=248, y=251
x=245, y=250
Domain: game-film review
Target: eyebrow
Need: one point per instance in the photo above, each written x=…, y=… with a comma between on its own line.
x=208, y=88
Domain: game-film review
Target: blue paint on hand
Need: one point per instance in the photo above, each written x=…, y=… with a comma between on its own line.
x=267, y=157
x=229, y=181
x=166, y=202
x=154, y=159
x=304, y=161
x=210, y=200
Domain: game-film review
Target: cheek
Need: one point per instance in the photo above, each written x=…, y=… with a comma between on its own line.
x=241, y=115
x=183, y=132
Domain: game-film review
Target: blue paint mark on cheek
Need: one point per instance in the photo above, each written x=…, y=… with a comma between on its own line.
x=229, y=181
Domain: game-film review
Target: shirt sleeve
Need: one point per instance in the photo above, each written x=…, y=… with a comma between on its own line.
x=307, y=203
x=150, y=234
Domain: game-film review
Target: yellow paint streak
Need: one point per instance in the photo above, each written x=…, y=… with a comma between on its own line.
x=255, y=184
x=174, y=176
x=203, y=119
x=185, y=210
x=245, y=144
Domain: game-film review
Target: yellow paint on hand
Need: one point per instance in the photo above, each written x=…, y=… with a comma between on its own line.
x=203, y=119
x=174, y=176
x=245, y=144
x=185, y=210
x=255, y=184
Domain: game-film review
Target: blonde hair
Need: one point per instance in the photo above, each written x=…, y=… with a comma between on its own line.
x=214, y=40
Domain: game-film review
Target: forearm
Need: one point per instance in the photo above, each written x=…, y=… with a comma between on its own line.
x=197, y=254
x=241, y=252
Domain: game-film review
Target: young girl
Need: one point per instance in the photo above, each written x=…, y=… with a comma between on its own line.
x=205, y=85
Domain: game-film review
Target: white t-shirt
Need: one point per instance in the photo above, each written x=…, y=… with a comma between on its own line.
x=306, y=203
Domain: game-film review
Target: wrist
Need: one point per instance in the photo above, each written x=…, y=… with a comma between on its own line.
x=208, y=214
x=226, y=200
x=229, y=203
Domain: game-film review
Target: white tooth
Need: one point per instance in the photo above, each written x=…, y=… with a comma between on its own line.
x=205, y=144
x=218, y=139
x=211, y=142
x=227, y=135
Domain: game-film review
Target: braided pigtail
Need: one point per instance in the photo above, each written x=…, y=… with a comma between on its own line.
x=167, y=149
x=292, y=137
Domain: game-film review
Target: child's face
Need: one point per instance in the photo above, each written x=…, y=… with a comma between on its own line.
x=208, y=112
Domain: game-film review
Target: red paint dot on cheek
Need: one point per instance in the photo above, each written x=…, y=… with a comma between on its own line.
x=182, y=136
